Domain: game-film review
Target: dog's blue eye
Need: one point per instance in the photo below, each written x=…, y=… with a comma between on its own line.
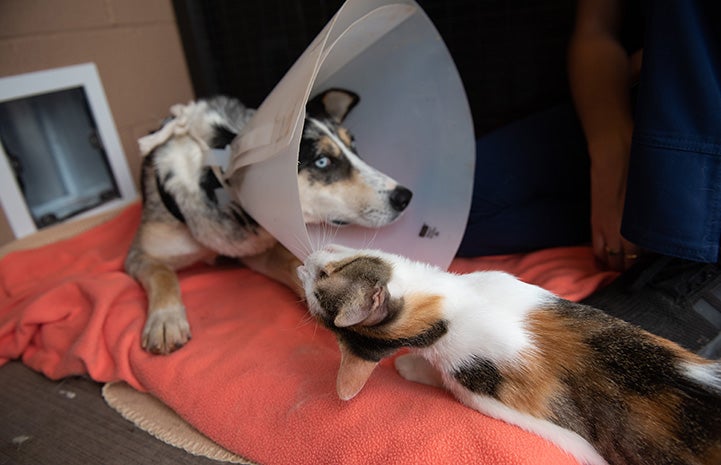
x=322, y=162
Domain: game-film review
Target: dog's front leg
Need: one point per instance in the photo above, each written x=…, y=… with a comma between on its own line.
x=166, y=327
x=279, y=264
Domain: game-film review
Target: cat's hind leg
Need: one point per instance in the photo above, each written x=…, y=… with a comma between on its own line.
x=415, y=368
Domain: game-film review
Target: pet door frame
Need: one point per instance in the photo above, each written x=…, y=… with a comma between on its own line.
x=86, y=77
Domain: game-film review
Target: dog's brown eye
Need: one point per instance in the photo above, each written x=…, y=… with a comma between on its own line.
x=322, y=162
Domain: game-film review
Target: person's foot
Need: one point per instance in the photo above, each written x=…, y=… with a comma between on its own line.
x=673, y=298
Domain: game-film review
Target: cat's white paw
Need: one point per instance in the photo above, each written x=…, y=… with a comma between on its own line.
x=166, y=330
x=415, y=368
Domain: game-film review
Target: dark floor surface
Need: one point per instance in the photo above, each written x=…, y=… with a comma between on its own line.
x=67, y=422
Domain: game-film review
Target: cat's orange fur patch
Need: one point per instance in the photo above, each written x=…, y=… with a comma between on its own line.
x=532, y=384
x=654, y=415
x=420, y=312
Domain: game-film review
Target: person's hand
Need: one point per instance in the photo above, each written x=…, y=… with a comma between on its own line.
x=600, y=76
x=609, y=166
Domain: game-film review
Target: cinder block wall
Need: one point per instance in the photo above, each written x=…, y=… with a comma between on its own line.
x=134, y=43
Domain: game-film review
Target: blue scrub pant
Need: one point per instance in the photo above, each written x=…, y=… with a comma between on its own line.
x=531, y=186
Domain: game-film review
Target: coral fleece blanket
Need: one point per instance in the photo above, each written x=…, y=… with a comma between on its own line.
x=258, y=377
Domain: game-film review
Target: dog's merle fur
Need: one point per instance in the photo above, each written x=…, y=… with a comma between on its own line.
x=183, y=222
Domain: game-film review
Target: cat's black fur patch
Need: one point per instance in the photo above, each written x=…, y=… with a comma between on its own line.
x=479, y=375
x=374, y=348
x=636, y=363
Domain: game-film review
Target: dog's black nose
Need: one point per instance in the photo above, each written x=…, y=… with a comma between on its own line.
x=400, y=198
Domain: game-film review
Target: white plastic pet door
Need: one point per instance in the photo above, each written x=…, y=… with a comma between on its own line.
x=60, y=155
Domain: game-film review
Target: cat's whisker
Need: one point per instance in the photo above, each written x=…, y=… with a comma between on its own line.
x=334, y=233
x=326, y=233
x=317, y=238
x=302, y=244
x=305, y=321
x=368, y=243
x=323, y=239
x=315, y=328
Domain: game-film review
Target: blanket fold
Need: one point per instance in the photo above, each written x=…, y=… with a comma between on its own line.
x=258, y=377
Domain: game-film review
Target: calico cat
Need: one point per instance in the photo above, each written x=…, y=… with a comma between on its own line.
x=601, y=389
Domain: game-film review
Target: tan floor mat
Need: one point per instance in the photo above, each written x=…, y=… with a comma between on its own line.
x=160, y=421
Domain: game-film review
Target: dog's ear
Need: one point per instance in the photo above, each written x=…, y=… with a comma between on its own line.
x=336, y=103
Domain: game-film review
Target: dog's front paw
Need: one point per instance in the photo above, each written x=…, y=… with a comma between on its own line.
x=166, y=330
x=415, y=368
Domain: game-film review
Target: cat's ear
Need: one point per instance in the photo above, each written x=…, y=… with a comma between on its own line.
x=366, y=307
x=353, y=373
